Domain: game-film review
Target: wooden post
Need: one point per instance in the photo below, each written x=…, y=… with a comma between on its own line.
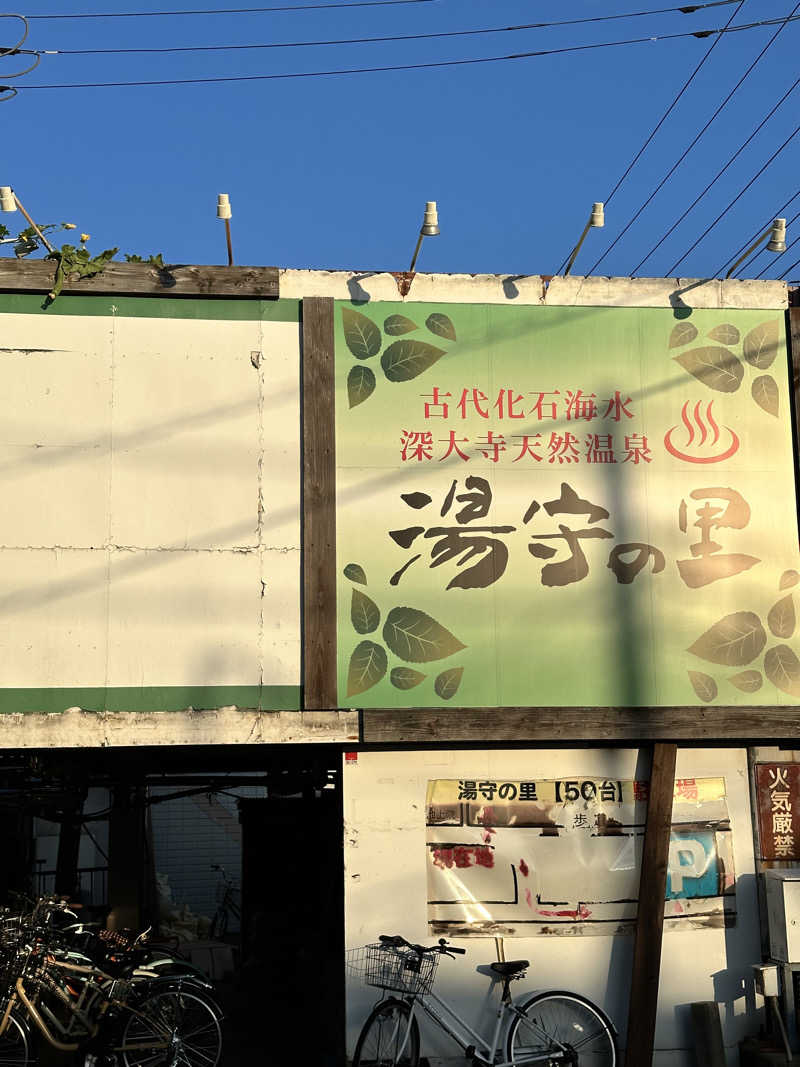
x=650, y=915
x=319, y=506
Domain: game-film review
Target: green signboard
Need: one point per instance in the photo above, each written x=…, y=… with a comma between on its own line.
x=564, y=506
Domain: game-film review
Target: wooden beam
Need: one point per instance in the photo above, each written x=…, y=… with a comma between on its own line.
x=319, y=506
x=142, y=279
x=566, y=725
x=650, y=913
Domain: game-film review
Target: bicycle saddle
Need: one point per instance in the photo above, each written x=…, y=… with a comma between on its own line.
x=511, y=967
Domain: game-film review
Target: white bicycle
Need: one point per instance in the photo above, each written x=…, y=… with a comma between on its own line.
x=554, y=1028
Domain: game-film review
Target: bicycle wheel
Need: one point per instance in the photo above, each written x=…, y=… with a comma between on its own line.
x=15, y=1050
x=556, y=1021
x=390, y=1036
x=172, y=1028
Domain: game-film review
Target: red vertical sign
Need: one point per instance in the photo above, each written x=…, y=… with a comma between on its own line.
x=778, y=798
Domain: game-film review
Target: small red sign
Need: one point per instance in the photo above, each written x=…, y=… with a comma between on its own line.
x=351, y=757
x=778, y=796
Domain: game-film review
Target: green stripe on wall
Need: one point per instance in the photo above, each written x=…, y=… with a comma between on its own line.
x=150, y=698
x=230, y=309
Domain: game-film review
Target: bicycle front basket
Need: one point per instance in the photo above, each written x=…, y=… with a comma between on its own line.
x=399, y=969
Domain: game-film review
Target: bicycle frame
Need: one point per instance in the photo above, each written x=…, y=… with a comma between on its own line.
x=474, y=1041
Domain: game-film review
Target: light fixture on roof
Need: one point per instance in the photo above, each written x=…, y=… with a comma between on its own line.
x=597, y=220
x=224, y=212
x=9, y=201
x=429, y=228
x=776, y=243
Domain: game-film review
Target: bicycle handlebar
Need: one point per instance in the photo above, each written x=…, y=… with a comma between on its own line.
x=396, y=941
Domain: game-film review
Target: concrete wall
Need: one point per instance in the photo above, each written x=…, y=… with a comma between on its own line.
x=386, y=892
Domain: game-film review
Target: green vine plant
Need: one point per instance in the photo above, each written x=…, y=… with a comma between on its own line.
x=71, y=260
x=412, y=635
x=27, y=240
x=721, y=368
x=401, y=360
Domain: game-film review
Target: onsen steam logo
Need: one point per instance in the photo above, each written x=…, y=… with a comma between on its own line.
x=703, y=437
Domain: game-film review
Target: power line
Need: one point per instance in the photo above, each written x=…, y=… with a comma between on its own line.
x=789, y=269
x=698, y=136
x=714, y=180
x=738, y=196
x=364, y=40
x=228, y=10
x=686, y=85
x=402, y=66
x=722, y=170
x=659, y=124
x=753, y=236
x=774, y=259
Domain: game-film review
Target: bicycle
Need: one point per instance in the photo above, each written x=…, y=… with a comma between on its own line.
x=228, y=904
x=118, y=1010
x=552, y=1028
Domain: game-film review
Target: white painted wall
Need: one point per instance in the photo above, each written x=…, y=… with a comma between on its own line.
x=385, y=887
x=150, y=534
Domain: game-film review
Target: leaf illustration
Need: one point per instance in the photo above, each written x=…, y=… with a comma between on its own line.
x=761, y=345
x=447, y=683
x=733, y=641
x=397, y=324
x=682, y=334
x=703, y=684
x=441, y=325
x=360, y=385
x=416, y=637
x=788, y=579
x=718, y=368
x=361, y=334
x=747, y=681
x=725, y=334
x=364, y=613
x=367, y=666
x=765, y=393
x=355, y=573
x=782, y=667
x=404, y=360
x=781, y=619
x=406, y=677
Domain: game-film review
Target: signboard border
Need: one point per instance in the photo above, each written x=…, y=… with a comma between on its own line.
x=464, y=724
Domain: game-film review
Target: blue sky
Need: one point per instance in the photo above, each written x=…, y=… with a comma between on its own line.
x=334, y=172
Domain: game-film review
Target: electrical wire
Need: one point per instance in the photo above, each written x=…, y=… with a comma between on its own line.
x=228, y=10
x=658, y=126
x=698, y=136
x=771, y=262
x=371, y=40
x=22, y=52
x=404, y=66
x=671, y=107
x=722, y=169
x=789, y=269
x=653, y=132
x=753, y=237
x=739, y=195
x=23, y=38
